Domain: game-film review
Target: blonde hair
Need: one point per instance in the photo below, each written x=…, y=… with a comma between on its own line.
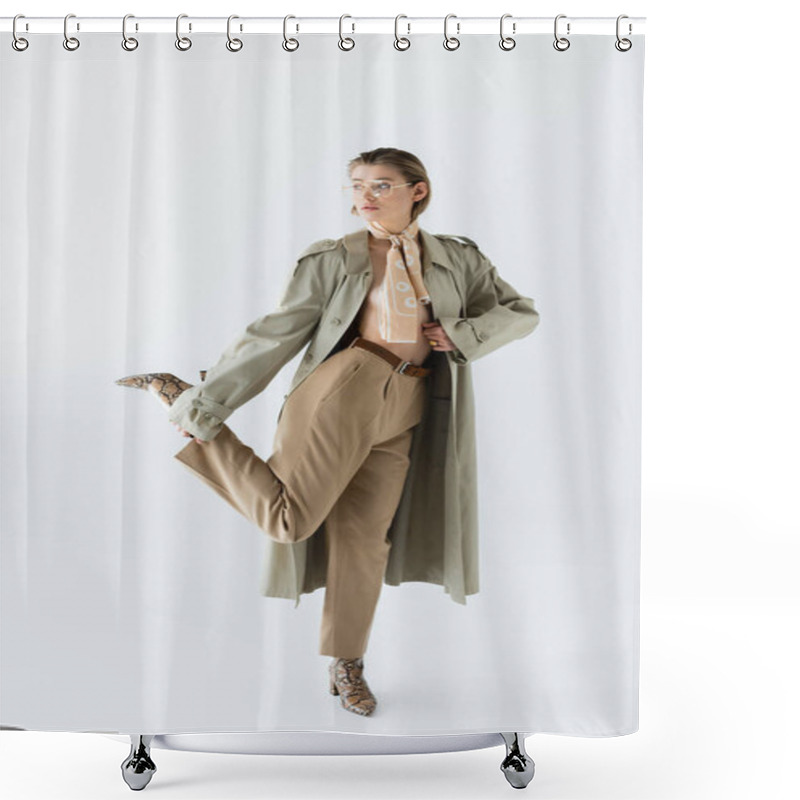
x=407, y=164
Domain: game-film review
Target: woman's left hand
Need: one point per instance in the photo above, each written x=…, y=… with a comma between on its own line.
x=189, y=435
x=436, y=336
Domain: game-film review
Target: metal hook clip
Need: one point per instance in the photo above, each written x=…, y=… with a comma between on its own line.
x=623, y=45
x=506, y=42
x=18, y=42
x=451, y=42
x=286, y=42
x=70, y=42
x=129, y=43
x=397, y=38
x=350, y=42
x=234, y=45
x=182, y=42
x=560, y=40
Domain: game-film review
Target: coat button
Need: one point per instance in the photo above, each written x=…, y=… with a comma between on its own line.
x=335, y=321
x=309, y=356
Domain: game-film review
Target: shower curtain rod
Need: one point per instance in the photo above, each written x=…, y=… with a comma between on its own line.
x=405, y=25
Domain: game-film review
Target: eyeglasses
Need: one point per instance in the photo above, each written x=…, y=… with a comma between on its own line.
x=377, y=188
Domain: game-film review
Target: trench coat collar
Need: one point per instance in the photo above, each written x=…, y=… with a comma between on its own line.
x=357, y=247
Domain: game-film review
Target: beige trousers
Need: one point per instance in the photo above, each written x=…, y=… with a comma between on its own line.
x=340, y=456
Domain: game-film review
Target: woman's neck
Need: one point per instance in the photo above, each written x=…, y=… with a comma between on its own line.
x=384, y=244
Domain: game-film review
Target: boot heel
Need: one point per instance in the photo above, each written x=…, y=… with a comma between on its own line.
x=355, y=693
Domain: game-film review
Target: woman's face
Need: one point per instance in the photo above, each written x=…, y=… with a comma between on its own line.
x=393, y=208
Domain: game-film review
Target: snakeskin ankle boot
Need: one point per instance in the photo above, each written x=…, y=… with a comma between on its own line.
x=164, y=385
x=346, y=680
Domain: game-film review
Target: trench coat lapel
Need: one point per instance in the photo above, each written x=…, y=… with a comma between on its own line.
x=357, y=248
x=437, y=269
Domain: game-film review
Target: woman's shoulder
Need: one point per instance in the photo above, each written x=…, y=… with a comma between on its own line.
x=461, y=248
x=315, y=261
x=452, y=237
x=463, y=251
x=320, y=246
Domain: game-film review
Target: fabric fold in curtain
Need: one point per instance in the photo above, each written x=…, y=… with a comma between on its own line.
x=157, y=202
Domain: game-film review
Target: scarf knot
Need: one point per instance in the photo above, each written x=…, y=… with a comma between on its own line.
x=403, y=290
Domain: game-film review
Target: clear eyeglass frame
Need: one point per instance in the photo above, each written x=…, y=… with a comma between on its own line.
x=383, y=188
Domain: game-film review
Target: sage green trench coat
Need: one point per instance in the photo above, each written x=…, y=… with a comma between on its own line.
x=434, y=532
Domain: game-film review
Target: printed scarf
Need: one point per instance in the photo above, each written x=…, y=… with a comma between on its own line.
x=403, y=289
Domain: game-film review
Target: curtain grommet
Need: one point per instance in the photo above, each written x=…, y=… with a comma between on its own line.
x=622, y=44
x=183, y=43
x=345, y=42
x=507, y=42
x=129, y=43
x=19, y=43
x=289, y=48
x=398, y=38
x=561, y=43
x=70, y=42
x=451, y=42
x=233, y=44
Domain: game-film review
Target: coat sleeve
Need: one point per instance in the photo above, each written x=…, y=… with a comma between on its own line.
x=496, y=314
x=252, y=360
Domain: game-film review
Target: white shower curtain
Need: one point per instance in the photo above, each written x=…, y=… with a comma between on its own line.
x=154, y=203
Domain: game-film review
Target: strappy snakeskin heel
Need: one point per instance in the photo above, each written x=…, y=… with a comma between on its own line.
x=164, y=385
x=346, y=680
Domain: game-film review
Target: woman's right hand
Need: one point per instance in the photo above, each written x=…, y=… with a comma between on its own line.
x=186, y=433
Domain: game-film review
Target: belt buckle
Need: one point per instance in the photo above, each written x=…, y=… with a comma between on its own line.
x=402, y=368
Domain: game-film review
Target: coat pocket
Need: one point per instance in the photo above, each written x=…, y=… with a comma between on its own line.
x=342, y=382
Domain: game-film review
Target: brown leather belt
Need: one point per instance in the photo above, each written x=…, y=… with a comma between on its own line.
x=404, y=367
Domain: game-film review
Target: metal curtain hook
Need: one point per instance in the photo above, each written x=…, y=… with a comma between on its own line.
x=451, y=42
x=70, y=42
x=18, y=42
x=397, y=38
x=506, y=42
x=350, y=43
x=234, y=45
x=623, y=45
x=128, y=42
x=285, y=43
x=561, y=43
x=182, y=42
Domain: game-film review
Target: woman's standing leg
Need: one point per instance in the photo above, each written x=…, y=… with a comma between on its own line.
x=356, y=526
x=358, y=549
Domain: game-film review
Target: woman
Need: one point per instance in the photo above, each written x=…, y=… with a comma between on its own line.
x=345, y=446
